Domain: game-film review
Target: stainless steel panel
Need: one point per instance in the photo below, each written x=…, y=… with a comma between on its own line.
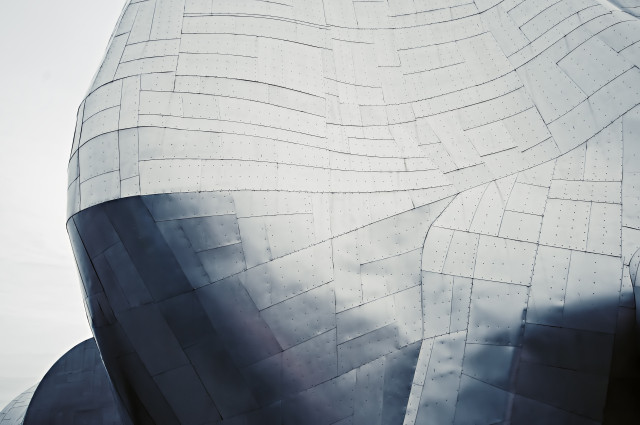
x=280, y=167
x=527, y=198
x=504, y=260
x=461, y=257
x=593, y=289
x=548, y=285
x=389, y=275
x=494, y=365
x=565, y=224
x=502, y=326
x=314, y=314
x=310, y=363
x=13, y=413
x=520, y=226
x=439, y=395
x=592, y=65
x=437, y=293
x=605, y=229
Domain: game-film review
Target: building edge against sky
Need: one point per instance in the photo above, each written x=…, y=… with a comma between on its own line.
x=363, y=212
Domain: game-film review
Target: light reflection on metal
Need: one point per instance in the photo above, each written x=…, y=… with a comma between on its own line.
x=360, y=212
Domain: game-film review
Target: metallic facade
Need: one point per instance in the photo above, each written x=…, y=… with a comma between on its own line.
x=361, y=212
x=75, y=391
x=13, y=413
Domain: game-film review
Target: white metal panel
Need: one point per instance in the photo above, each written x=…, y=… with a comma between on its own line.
x=565, y=224
x=505, y=260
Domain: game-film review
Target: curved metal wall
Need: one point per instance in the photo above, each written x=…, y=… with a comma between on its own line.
x=75, y=391
x=13, y=413
x=360, y=212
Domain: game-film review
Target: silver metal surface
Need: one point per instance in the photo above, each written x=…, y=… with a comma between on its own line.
x=362, y=212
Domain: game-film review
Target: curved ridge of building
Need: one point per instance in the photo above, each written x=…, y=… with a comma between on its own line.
x=360, y=212
x=13, y=413
x=75, y=391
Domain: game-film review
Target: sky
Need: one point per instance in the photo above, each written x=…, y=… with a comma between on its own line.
x=50, y=52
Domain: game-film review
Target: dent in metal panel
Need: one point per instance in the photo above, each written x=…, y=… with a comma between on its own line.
x=565, y=224
x=302, y=317
x=491, y=325
x=505, y=260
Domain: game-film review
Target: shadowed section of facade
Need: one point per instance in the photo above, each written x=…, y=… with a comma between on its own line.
x=76, y=391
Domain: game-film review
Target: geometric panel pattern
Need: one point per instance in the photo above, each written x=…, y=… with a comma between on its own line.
x=361, y=212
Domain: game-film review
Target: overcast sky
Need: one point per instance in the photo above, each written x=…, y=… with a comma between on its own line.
x=50, y=51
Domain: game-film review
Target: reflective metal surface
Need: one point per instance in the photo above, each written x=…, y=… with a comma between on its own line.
x=75, y=391
x=363, y=212
x=13, y=413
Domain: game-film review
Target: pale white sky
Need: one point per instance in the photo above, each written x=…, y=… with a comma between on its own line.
x=49, y=53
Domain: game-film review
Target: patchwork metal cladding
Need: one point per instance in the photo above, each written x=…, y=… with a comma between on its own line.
x=361, y=212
